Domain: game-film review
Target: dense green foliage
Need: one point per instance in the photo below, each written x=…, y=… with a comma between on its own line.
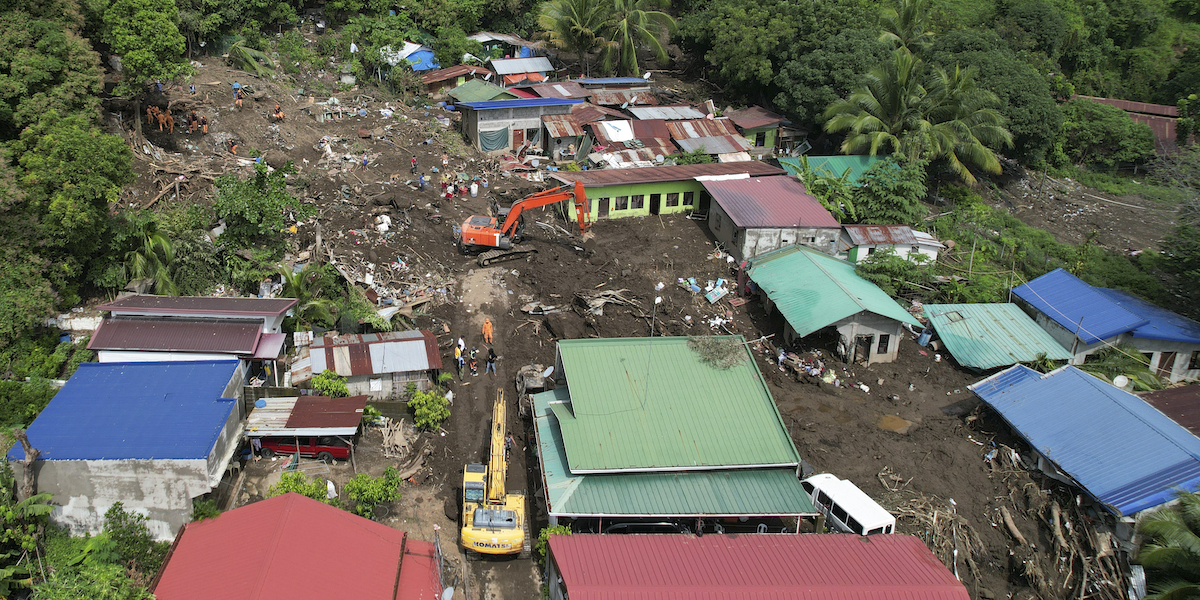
x=1095, y=134
x=257, y=208
x=146, y=35
x=369, y=492
x=295, y=481
x=542, y=546
x=613, y=30
x=328, y=383
x=891, y=192
x=1170, y=549
x=430, y=409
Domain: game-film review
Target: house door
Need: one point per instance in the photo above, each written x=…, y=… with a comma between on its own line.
x=602, y=207
x=518, y=138
x=655, y=202
x=862, y=348
x=705, y=201
x=760, y=139
x=1166, y=362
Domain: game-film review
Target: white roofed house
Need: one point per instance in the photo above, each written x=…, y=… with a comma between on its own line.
x=379, y=365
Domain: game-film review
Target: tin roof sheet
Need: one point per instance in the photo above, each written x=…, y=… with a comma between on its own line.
x=621, y=97
x=669, y=113
x=611, y=81
x=559, y=89
x=1161, y=324
x=148, y=410
x=880, y=234
x=514, y=66
x=814, y=290
x=147, y=304
x=754, y=117
x=562, y=126
x=589, y=113
x=725, y=144
x=752, y=567
x=985, y=336
x=478, y=90
x=769, y=202
x=729, y=492
x=321, y=411
x=609, y=177
x=270, y=346
x=608, y=132
x=376, y=353
x=453, y=72
x=1181, y=404
x=1119, y=449
x=646, y=404
x=1067, y=300
x=701, y=128
x=365, y=561
x=518, y=103
x=832, y=166
x=150, y=334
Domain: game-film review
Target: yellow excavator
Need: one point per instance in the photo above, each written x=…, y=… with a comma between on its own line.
x=493, y=520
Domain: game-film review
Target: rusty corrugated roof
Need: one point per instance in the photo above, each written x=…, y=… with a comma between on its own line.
x=1181, y=404
x=616, y=97
x=558, y=126
x=455, y=71
x=560, y=89
x=375, y=353
x=769, y=202
x=146, y=304
x=753, y=117
x=590, y=113
x=323, y=411
x=669, y=113
x=881, y=234
x=149, y=334
x=700, y=128
x=608, y=177
x=651, y=132
x=722, y=144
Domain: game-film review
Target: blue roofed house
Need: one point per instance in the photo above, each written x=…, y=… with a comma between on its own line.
x=151, y=435
x=501, y=125
x=1084, y=319
x=1121, y=451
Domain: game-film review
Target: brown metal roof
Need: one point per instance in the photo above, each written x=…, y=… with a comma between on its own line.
x=559, y=89
x=701, y=128
x=177, y=335
x=768, y=202
x=197, y=305
x=590, y=113
x=1181, y=404
x=753, y=117
x=615, y=97
x=659, y=174
x=880, y=234
x=558, y=126
x=455, y=71
x=374, y=353
x=1163, y=129
x=322, y=411
x=651, y=132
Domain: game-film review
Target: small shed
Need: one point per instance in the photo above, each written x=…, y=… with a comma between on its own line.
x=564, y=136
x=758, y=125
x=860, y=241
x=516, y=71
x=306, y=415
x=437, y=82
x=509, y=45
x=815, y=291
x=986, y=336
x=379, y=365
x=751, y=216
x=503, y=125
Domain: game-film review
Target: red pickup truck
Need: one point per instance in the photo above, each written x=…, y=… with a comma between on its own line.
x=324, y=448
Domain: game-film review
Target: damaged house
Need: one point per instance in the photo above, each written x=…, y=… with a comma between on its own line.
x=379, y=365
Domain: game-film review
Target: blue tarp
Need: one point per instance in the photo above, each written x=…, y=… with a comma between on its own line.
x=422, y=60
x=149, y=410
x=1066, y=299
x=1119, y=449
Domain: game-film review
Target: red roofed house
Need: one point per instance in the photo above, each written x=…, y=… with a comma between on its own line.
x=754, y=215
x=291, y=546
x=437, y=82
x=747, y=567
x=758, y=125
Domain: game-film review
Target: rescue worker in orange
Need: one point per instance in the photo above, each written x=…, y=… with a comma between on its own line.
x=239, y=97
x=487, y=330
x=233, y=147
x=278, y=112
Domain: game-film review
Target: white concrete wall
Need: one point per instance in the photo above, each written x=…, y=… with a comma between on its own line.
x=753, y=242
x=113, y=356
x=870, y=324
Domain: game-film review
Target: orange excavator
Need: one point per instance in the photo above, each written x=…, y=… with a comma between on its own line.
x=497, y=236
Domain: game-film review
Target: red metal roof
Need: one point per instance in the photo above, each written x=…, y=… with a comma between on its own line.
x=751, y=567
x=615, y=97
x=562, y=126
x=753, y=117
x=881, y=234
x=659, y=174
x=559, y=89
x=193, y=305
x=1181, y=404
x=323, y=411
x=290, y=546
x=769, y=202
x=453, y=72
x=701, y=128
x=418, y=572
x=520, y=93
x=177, y=335
x=270, y=345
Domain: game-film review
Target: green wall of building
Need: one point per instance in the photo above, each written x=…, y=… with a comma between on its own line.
x=769, y=146
x=646, y=190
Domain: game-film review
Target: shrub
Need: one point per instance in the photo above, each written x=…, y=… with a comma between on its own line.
x=368, y=492
x=430, y=409
x=330, y=384
x=295, y=481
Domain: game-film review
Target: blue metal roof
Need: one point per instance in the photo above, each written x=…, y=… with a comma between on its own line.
x=519, y=103
x=1119, y=449
x=609, y=80
x=1161, y=324
x=1066, y=299
x=149, y=410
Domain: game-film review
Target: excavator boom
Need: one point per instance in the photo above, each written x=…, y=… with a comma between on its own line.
x=550, y=196
x=498, y=461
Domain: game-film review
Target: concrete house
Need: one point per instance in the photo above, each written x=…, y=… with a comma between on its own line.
x=379, y=365
x=267, y=312
x=153, y=436
x=860, y=241
x=759, y=126
x=438, y=82
x=755, y=215
x=815, y=291
x=1085, y=319
x=606, y=462
x=614, y=193
x=502, y=125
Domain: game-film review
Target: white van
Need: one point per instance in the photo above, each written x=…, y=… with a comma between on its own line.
x=846, y=507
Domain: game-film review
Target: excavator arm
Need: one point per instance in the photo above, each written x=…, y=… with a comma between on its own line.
x=498, y=461
x=545, y=198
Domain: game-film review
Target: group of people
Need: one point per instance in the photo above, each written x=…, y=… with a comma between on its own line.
x=464, y=358
x=166, y=120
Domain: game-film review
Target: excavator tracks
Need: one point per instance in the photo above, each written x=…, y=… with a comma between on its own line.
x=495, y=256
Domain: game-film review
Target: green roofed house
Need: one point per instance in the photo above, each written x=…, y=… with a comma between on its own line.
x=832, y=166
x=642, y=428
x=986, y=336
x=478, y=90
x=815, y=291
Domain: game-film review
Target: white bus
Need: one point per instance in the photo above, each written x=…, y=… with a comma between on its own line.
x=846, y=507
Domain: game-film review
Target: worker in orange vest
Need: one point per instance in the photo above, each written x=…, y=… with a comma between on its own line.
x=487, y=331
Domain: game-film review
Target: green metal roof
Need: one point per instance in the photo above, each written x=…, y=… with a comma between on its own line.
x=729, y=492
x=689, y=416
x=984, y=336
x=832, y=166
x=478, y=90
x=814, y=290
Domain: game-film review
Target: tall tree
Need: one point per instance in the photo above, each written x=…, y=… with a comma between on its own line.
x=576, y=26
x=307, y=286
x=145, y=34
x=905, y=26
x=152, y=257
x=634, y=24
x=1170, y=549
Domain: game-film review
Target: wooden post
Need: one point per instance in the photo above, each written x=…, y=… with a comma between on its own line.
x=820, y=524
x=971, y=265
x=28, y=479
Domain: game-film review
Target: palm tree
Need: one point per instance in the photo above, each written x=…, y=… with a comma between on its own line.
x=305, y=287
x=966, y=123
x=575, y=26
x=884, y=109
x=633, y=23
x=905, y=28
x=252, y=61
x=1123, y=359
x=153, y=257
x=1170, y=549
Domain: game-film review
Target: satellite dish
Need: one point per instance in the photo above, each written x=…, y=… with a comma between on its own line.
x=448, y=593
x=487, y=77
x=646, y=76
x=1120, y=381
x=260, y=403
x=549, y=371
x=659, y=158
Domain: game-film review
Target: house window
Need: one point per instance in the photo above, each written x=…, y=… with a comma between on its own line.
x=376, y=385
x=760, y=139
x=689, y=198
x=915, y=250
x=673, y=199
x=1149, y=358
x=1194, y=363
x=812, y=240
x=884, y=340
x=637, y=201
x=871, y=250
x=621, y=203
